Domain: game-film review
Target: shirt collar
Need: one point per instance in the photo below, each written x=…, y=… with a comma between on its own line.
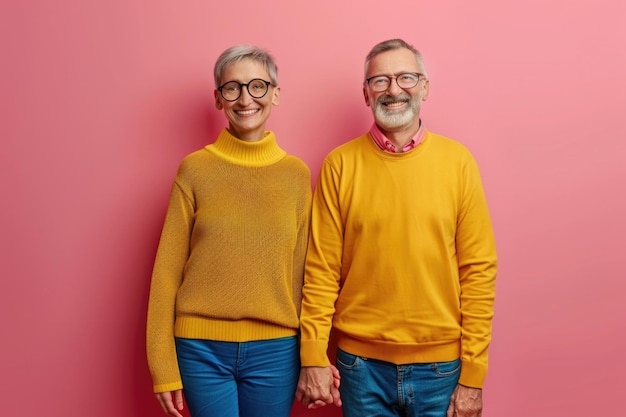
x=385, y=144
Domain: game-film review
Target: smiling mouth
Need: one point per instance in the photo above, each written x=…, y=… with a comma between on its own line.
x=395, y=104
x=247, y=112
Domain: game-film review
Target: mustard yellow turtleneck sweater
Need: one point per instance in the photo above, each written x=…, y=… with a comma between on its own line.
x=230, y=261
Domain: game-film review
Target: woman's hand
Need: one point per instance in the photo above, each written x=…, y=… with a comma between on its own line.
x=171, y=402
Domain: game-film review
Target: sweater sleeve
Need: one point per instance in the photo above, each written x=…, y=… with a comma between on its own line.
x=302, y=240
x=476, y=256
x=167, y=276
x=322, y=271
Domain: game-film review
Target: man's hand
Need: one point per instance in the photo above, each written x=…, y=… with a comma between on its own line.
x=318, y=386
x=466, y=402
x=171, y=402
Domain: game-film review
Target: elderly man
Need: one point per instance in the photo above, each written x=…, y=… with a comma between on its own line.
x=401, y=261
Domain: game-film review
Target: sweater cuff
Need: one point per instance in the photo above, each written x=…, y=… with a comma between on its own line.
x=472, y=374
x=314, y=353
x=173, y=386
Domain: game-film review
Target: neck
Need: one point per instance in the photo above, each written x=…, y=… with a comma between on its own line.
x=401, y=135
x=248, y=136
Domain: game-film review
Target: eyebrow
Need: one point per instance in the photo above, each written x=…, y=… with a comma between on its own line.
x=397, y=73
x=394, y=75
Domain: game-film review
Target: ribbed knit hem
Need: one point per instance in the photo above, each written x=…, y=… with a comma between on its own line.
x=262, y=153
x=472, y=374
x=229, y=330
x=314, y=353
x=174, y=386
x=440, y=351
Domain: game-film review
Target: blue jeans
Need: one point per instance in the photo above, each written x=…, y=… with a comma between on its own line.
x=374, y=388
x=250, y=379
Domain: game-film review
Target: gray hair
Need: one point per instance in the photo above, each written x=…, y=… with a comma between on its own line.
x=392, y=44
x=238, y=53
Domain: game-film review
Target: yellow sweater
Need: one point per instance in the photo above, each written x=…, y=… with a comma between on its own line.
x=401, y=257
x=230, y=262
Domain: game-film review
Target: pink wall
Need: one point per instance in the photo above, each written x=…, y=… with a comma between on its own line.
x=101, y=99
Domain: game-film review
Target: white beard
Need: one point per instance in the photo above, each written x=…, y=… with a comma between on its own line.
x=394, y=119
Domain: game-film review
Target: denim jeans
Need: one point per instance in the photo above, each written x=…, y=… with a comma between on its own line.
x=374, y=388
x=249, y=379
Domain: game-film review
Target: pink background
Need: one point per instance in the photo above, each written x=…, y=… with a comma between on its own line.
x=101, y=99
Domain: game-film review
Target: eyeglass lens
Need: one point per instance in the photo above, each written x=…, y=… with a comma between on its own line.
x=382, y=82
x=231, y=90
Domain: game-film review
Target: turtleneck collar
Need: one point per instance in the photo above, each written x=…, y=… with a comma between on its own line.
x=261, y=153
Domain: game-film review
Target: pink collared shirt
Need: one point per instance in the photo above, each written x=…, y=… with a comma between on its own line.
x=386, y=145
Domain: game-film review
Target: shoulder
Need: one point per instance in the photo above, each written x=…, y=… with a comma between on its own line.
x=296, y=164
x=293, y=170
x=198, y=156
x=450, y=148
x=350, y=148
x=196, y=161
x=444, y=141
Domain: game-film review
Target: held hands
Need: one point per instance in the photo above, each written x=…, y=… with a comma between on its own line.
x=318, y=386
x=466, y=402
x=171, y=402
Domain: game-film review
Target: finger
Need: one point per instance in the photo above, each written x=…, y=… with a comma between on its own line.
x=162, y=403
x=168, y=406
x=175, y=413
x=178, y=397
x=171, y=410
x=316, y=404
x=336, y=396
x=450, y=412
x=336, y=376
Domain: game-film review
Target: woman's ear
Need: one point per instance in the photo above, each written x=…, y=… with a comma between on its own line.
x=276, y=96
x=218, y=101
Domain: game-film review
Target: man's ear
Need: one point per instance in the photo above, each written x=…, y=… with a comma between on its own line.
x=426, y=89
x=366, y=97
x=218, y=102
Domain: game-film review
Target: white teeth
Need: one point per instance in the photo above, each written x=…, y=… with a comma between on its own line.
x=246, y=112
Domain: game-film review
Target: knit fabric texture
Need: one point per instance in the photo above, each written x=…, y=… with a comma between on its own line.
x=401, y=257
x=230, y=261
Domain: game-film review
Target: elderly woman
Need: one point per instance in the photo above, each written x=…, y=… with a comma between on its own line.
x=226, y=287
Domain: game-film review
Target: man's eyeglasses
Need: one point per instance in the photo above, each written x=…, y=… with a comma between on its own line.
x=380, y=83
x=231, y=90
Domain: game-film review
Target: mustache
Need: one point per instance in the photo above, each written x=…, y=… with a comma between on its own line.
x=388, y=99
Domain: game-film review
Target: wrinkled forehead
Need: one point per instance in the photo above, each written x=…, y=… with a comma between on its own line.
x=391, y=62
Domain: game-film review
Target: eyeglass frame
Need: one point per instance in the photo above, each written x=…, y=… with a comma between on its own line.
x=419, y=76
x=247, y=85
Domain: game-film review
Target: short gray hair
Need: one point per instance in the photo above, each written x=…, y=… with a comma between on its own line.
x=392, y=44
x=238, y=53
